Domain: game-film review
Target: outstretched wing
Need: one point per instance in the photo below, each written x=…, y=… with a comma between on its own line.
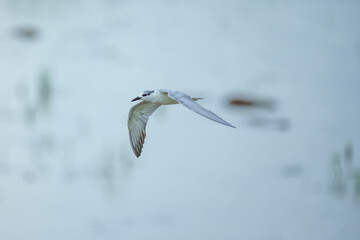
x=138, y=117
x=189, y=103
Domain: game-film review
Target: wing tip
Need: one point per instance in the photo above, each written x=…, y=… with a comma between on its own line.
x=229, y=125
x=138, y=150
x=225, y=123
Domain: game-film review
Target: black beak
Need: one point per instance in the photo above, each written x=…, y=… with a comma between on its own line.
x=137, y=98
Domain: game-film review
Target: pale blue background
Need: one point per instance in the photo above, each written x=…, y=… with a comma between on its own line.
x=66, y=167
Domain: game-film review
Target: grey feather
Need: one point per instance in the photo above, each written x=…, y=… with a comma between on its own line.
x=193, y=106
x=138, y=117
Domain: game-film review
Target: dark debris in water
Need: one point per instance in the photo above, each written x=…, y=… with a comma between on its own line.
x=348, y=152
x=281, y=124
x=26, y=32
x=258, y=111
x=45, y=90
x=247, y=101
x=356, y=184
x=345, y=174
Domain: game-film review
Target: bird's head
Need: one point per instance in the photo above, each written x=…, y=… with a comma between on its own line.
x=143, y=96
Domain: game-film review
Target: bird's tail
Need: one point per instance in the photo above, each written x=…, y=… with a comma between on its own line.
x=195, y=99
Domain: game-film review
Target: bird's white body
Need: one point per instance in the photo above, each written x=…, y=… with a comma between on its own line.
x=160, y=97
x=139, y=114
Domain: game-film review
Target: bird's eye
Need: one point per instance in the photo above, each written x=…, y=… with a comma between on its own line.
x=144, y=95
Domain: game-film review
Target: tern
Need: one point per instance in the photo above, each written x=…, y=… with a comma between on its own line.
x=139, y=114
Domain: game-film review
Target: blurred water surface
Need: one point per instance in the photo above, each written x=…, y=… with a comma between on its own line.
x=68, y=70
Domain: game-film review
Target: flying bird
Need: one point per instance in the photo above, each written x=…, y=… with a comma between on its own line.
x=139, y=114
